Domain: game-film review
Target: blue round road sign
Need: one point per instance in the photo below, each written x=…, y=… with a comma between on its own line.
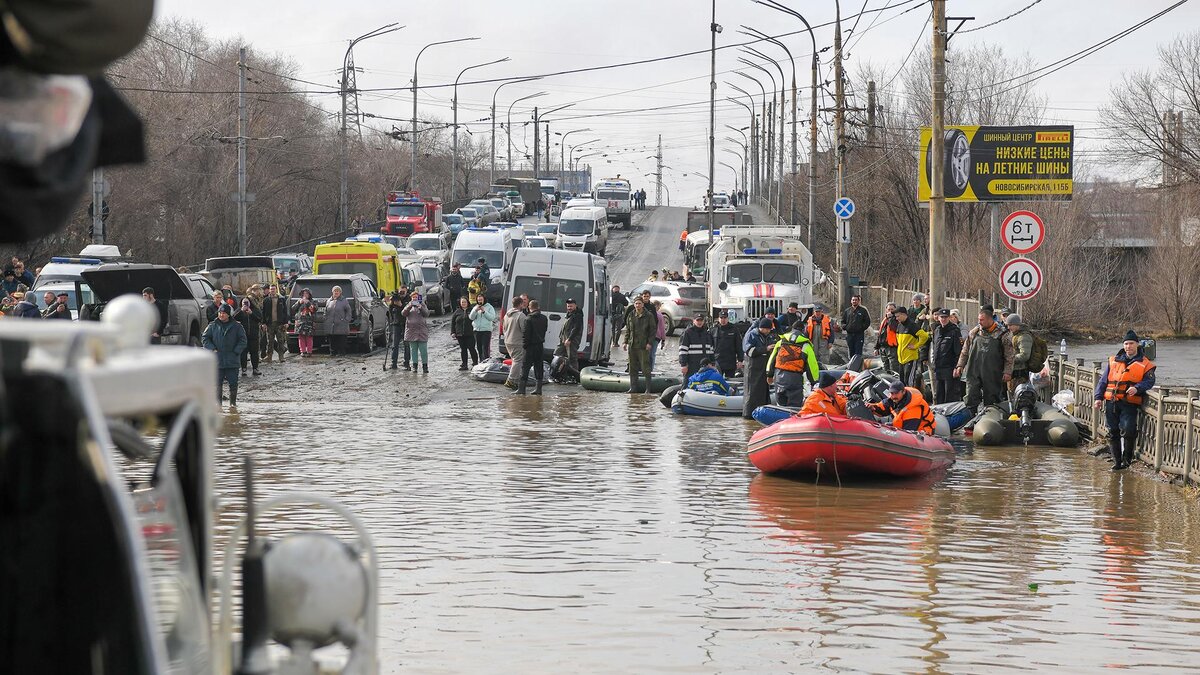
x=843, y=208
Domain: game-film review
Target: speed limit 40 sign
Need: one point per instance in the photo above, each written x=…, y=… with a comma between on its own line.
x=1023, y=232
x=1020, y=278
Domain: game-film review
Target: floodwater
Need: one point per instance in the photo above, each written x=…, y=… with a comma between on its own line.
x=1178, y=361
x=592, y=532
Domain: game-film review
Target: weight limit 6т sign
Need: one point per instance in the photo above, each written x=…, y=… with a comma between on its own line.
x=1020, y=278
x=1023, y=232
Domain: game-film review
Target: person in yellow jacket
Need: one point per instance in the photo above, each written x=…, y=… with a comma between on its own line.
x=792, y=361
x=908, y=353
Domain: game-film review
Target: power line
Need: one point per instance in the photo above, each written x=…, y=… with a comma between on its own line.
x=1000, y=20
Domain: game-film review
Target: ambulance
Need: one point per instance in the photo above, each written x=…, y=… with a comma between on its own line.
x=376, y=259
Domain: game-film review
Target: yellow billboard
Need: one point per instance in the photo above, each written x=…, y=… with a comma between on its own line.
x=995, y=164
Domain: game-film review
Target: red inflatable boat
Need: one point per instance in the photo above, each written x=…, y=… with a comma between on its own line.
x=847, y=445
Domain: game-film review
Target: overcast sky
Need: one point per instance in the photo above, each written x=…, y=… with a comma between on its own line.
x=543, y=36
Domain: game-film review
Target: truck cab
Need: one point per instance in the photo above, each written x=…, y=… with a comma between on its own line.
x=615, y=195
x=408, y=213
x=753, y=269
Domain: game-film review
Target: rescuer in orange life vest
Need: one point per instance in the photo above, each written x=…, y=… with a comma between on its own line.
x=825, y=398
x=908, y=409
x=1121, y=389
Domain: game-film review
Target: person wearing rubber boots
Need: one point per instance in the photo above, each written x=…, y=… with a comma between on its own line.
x=792, y=362
x=536, y=325
x=1121, y=389
x=570, y=337
x=228, y=339
x=757, y=345
x=986, y=360
x=640, y=333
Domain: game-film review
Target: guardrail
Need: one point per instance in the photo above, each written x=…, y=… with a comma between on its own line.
x=1169, y=423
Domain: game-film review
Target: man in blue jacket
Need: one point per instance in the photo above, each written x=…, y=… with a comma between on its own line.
x=708, y=379
x=228, y=339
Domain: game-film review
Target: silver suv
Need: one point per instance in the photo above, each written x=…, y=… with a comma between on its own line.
x=680, y=300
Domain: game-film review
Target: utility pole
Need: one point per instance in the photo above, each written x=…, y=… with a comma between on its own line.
x=843, y=250
x=241, y=149
x=658, y=174
x=937, y=196
x=98, y=205
x=712, y=114
x=536, y=141
x=549, y=168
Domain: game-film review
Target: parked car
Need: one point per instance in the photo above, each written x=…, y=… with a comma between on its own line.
x=186, y=318
x=536, y=241
x=454, y=223
x=368, y=323
x=471, y=217
x=240, y=272
x=488, y=214
x=286, y=262
x=518, y=203
x=505, y=209
x=550, y=232
x=377, y=238
x=426, y=278
x=435, y=247
x=680, y=300
x=579, y=201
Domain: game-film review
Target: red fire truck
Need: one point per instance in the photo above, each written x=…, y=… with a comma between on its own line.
x=409, y=213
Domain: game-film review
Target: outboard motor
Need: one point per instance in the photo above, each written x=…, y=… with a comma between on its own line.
x=1023, y=402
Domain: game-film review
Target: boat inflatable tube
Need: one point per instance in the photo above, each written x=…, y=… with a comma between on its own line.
x=497, y=371
x=1051, y=426
x=692, y=402
x=846, y=445
x=597, y=378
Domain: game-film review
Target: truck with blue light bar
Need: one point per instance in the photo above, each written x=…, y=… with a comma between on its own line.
x=751, y=269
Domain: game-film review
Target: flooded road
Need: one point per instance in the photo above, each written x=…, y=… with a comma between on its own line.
x=592, y=532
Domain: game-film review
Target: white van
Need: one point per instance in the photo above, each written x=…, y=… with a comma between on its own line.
x=551, y=277
x=615, y=195
x=493, y=245
x=584, y=229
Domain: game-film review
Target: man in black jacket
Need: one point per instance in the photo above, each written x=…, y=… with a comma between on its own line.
x=855, y=321
x=617, y=304
x=727, y=342
x=251, y=318
x=455, y=284
x=275, y=317
x=695, y=345
x=570, y=337
x=943, y=352
x=535, y=345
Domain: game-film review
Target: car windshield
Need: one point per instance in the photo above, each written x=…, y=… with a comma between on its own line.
x=287, y=262
x=367, y=268
x=423, y=244
x=576, y=226
x=547, y=229
x=691, y=292
x=406, y=210
x=516, y=199
x=452, y=218
x=745, y=273
x=468, y=257
x=619, y=195
x=498, y=203
x=322, y=289
x=430, y=275
x=469, y=213
x=535, y=242
x=551, y=294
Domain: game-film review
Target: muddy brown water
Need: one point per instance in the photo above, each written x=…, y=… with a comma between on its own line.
x=591, y=532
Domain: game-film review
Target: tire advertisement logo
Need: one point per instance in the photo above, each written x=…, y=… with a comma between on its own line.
x=995, y=164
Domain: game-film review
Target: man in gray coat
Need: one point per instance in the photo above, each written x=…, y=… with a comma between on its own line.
x=338, y=316
x=228, y=339
x=514, y=339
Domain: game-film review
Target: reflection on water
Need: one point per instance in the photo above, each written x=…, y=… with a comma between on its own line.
x=598, y=533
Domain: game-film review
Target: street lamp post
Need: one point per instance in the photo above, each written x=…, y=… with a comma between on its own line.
x=344, y=188
x=454, y=127
x=792, y=182
x=779, y=137
x=562, y=154
x=412, y=179
x=508, y=124
x=492, y=170
x=753, y=185
x=743, y=155
x=537, y=119
x=812, y=126
x=765, y=142
x=734, y=169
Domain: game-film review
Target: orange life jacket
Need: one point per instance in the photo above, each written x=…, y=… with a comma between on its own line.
x=826, y=328
x=915, y=409
x=819, y=402
x=792, y=353
x=1122, y=376
x=890, y=333
x=683, y=235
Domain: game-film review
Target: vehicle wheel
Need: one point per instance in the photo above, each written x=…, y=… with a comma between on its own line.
x=194, y=341
x=367, y=336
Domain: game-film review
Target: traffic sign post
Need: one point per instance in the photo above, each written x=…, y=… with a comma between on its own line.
x=1020, y=278
x=1023, y=232
x=844, y=208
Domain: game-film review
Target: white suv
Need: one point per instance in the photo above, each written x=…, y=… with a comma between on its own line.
x=680, y=300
